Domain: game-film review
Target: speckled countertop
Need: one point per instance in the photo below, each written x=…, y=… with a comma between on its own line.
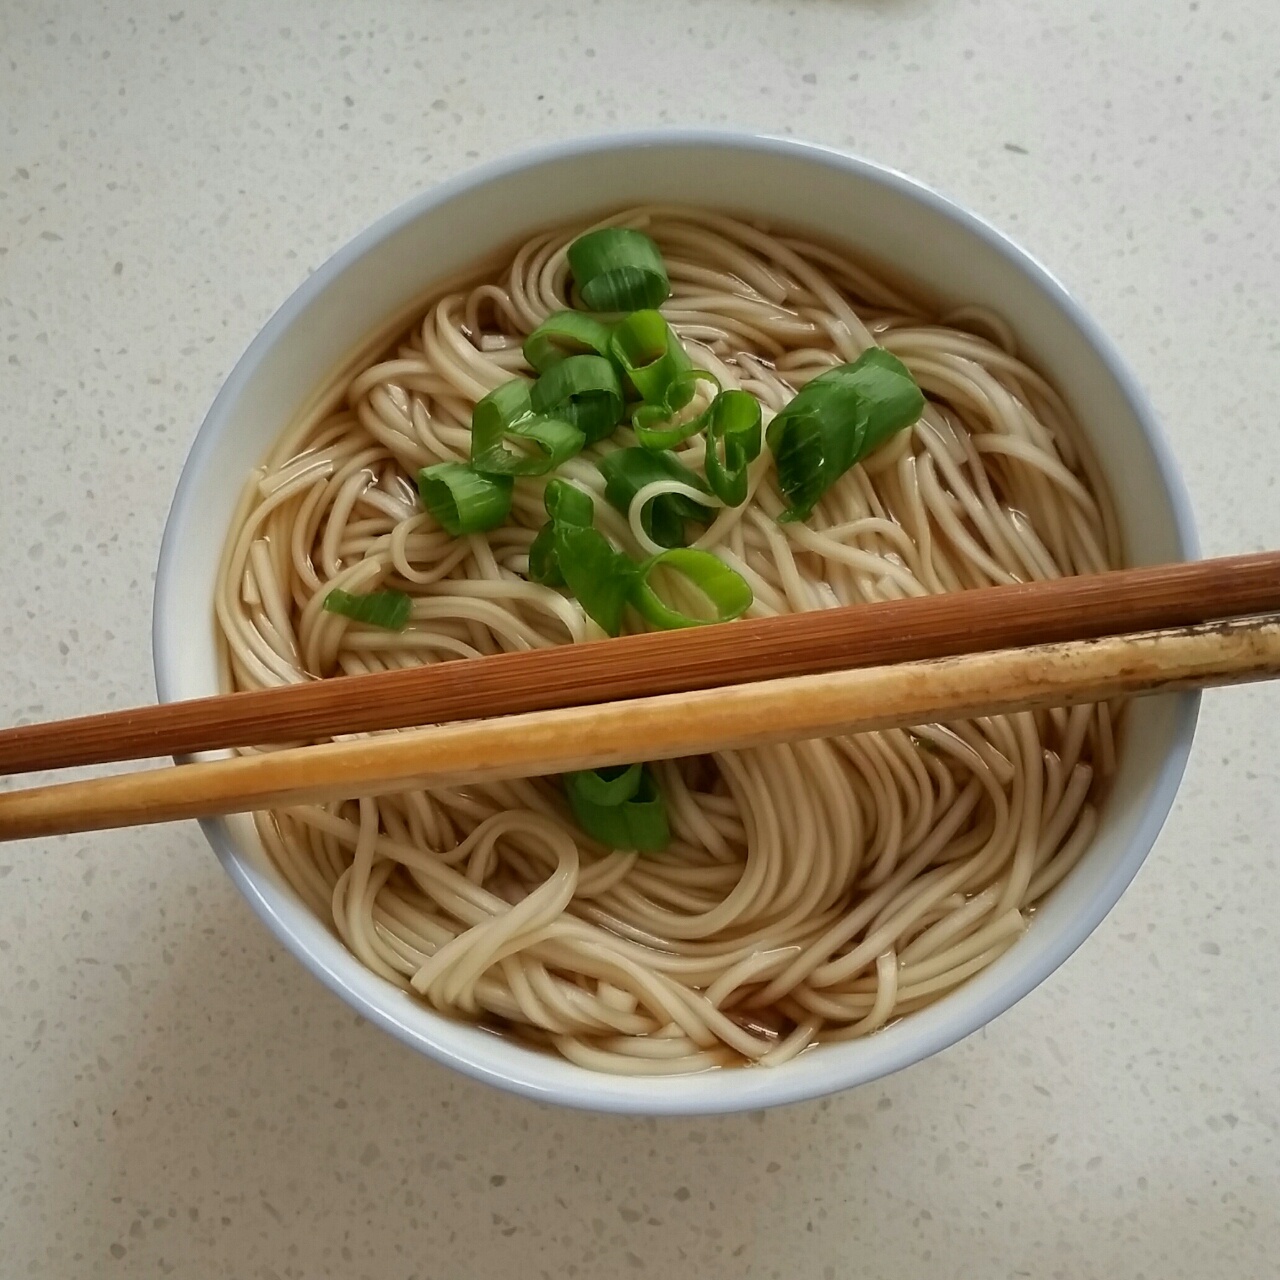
x=177, y=1095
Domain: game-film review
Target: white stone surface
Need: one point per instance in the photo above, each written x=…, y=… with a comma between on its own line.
x=177, y=1095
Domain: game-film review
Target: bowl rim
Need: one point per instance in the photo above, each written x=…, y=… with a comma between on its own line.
x=750, y=1090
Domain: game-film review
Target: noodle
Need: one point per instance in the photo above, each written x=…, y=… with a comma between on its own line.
x=813, y=891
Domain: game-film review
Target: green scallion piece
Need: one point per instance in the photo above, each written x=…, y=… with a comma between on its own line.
x=833, y=423
x=706, y=579
x=733, y=428
x=610, y=785
x=565, y=504
x=543, y=566
x=638, y=822
x=462, y=501
x=598, y=575
x=652, y=422
x=386, y=609
x=504, y=405
x=617, y=269
x=505, y=417
x=553, y=442
x=650, y=354
x=627, y=471
x=583, y=391
x=563, y=334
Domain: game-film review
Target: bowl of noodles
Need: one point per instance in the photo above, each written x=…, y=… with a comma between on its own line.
x=778, y=378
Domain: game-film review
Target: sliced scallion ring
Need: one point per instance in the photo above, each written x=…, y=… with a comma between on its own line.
x=505, y=404
x=650, y=354
x=504, y=418
x=386, y=609
x=838, y=419
x=618, y=269
x=627, y=471
x=565, y=504
x=726, y=591
x=563, y=334
x=583, y=391
x=733, y=426
x=462, y=501
x=552, y=441
x=598, y=575
x=611, y=785
x=652, y=423
x=637, y=822
x=543, y=566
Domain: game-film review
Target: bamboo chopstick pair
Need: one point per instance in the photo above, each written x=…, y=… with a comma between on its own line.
x=662, y=695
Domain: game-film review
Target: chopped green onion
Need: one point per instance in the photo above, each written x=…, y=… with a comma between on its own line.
x=647, y=417
x=584, y=391
x=462, y=501
x=505, y=404
x=565, y=504
x=650, y=354
x=726, y=591
x=543, y=566
x=637, y=822
x=506, y=414
x=627, y=471
x=564, y=334
x=599, y=576
x=733, y=421
x=386, y=609
x=569, y=552
x=610, y=785
x=657, y=439
x=617, y=269
x=554, y=442
x=833, y=423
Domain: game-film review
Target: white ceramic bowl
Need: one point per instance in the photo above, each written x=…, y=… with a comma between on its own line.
x=887, y=216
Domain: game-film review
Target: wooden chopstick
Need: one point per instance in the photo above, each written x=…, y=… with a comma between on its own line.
x=864, y=635
x=665, y=726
